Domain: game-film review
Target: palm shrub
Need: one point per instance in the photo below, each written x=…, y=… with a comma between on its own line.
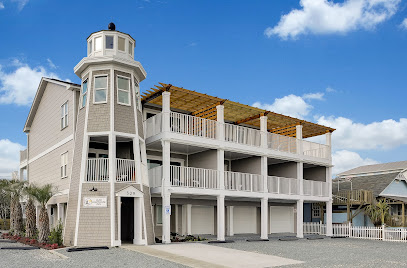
x=378, y=212
x=4, y=202
x=15, y=188
x=30, y=213
x=43, y=194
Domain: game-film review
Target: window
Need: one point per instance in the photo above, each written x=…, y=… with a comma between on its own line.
x=84, y=92
x=123, y=90
x=98, y=43
x=316, y=213
x=64, y=164
x=159, y=214
x=109, y=41
x=130, y=48
x=121, y=43
x=90, y=47
x=64, y=115
x=100, y=89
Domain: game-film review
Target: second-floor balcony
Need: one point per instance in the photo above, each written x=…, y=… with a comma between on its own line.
x=97, y=170
x=23, y=156
x=204, y=179
x=210, y=129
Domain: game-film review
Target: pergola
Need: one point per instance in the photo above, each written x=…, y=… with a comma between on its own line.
x=203, y=105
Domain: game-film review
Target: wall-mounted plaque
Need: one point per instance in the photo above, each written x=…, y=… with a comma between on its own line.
x=95, y=202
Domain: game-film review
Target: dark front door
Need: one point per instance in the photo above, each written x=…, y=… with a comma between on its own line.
x=127, y=219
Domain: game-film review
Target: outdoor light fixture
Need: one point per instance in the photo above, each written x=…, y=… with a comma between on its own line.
x=93, y=189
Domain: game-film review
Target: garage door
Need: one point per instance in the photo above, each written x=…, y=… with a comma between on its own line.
x=202, y=220
x=281, y=219
x=244, y=220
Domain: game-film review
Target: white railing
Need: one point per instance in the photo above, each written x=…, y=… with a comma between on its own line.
x=340, y=230
x=237, y=181
x=395, y=234
x=192, y=125
x=281, y=143
x=280, y=185
x=125, y=170
x=98, y=169
x=155, y=176
x=315, y=188
x=242, y=135
x=312, y=228
x=365, y=232
x=316, y=149
x=153, y=125
x=23, y=155
x=192, y=177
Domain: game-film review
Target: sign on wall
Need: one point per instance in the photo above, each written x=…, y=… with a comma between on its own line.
x=168, y=210
x=95, y=202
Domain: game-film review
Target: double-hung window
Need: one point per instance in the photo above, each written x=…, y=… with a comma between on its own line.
x=64, y=165
x=100, y=89
x=84, y=92
x=123, y=90
x=64, y=115
x=316, y=212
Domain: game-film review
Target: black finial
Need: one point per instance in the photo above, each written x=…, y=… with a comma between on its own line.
x=111, y=26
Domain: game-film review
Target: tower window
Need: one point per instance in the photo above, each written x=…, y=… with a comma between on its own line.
x=64, y=115
x=100, y=95
x=123, y=90
x=98, y=43
x=121, y=43
x=84, y=92
x=64, y=165
x=109, y=42
x=130, y=48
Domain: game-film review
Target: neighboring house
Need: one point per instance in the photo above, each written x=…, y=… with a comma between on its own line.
x=132, y=168
x=362, y=185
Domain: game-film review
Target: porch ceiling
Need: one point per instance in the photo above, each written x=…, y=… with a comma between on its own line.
x=203, y=105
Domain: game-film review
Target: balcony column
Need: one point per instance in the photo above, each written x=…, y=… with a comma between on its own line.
x=165, y=194
x=138, y=221
x=329, y=203
x=328, y=142
x=298, y=135
x=221, y=217
x=300, y=177
x=264, y=218
x=166, y=110
x=229, y=220
x=220, y=118
x=21, y=174
x=112, y=179
x=61, y=213
x=300, y=218
x=263, y=131
x=186, y=214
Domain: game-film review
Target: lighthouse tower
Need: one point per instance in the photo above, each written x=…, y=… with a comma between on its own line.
x=109, y=197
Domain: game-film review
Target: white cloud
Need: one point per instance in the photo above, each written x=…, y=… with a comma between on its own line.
x=20, y=85
x=20, y=3
x=404, y=24
x=384, y=135
x=1, y=5
x=328, y=17
x=344, y=160
x=51, y=64
x=291, y=105
x=9, y=157
x=313, y=96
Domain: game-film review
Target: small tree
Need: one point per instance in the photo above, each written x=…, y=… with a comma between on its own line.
x=4, y=200
x=30, y=213
x=378, y=212
x=15, y=189
x=43, y=194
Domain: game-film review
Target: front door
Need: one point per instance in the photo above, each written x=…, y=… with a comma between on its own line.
x=127, y=219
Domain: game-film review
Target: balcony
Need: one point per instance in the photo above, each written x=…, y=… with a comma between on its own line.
x=200, y=178
x=210, y=129
x=23, y=157
x=97, y=170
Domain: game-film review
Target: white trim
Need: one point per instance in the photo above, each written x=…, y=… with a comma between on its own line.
x=94, y=88
x=112, y=160
x=172, y=159
x=123, y=90
x=52, y=148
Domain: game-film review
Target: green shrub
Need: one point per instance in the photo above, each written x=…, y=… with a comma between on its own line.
x=56, y=234
x=4, y=224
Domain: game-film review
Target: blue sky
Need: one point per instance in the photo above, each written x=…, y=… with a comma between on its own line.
x=340, y=63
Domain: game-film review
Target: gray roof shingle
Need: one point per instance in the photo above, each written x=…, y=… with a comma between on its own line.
x=401, y=165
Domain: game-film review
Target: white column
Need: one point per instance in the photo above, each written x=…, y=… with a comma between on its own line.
x=184, y=220
x=220, y=164
x=166, y=217
x=61, y=213
x=112, y=176
x=21, y=174
x=300, y=218
x=119, y=219
x=263, y=129
x=166, y=111
x=138, y=221
x=298, y=129
x=329, y=203
x=189, y=219
x=220, y=133
x=328, y=138
x=264, y=172
x=229, y=219
x=264, y=217
x=221, y=217
x=176, y=218
x=300, y=177
x=165, y=194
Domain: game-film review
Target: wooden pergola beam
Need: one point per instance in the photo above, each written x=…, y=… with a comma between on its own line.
x=247, y=119
x=156, y=94
x=207, y=108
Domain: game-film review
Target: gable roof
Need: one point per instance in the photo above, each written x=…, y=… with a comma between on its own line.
x=392, y=166
x=40, y=92
x=375, y=183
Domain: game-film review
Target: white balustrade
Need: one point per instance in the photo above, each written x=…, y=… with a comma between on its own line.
x=155, y=176
x=281, y=143
x=316, y=149
x=315, y=188
x=242, y=135
x=281, y=185
x=247, y=182
x=192, y=125
x=153, y=125
x=97, y=169
x=192, y=177
x=126, y=170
